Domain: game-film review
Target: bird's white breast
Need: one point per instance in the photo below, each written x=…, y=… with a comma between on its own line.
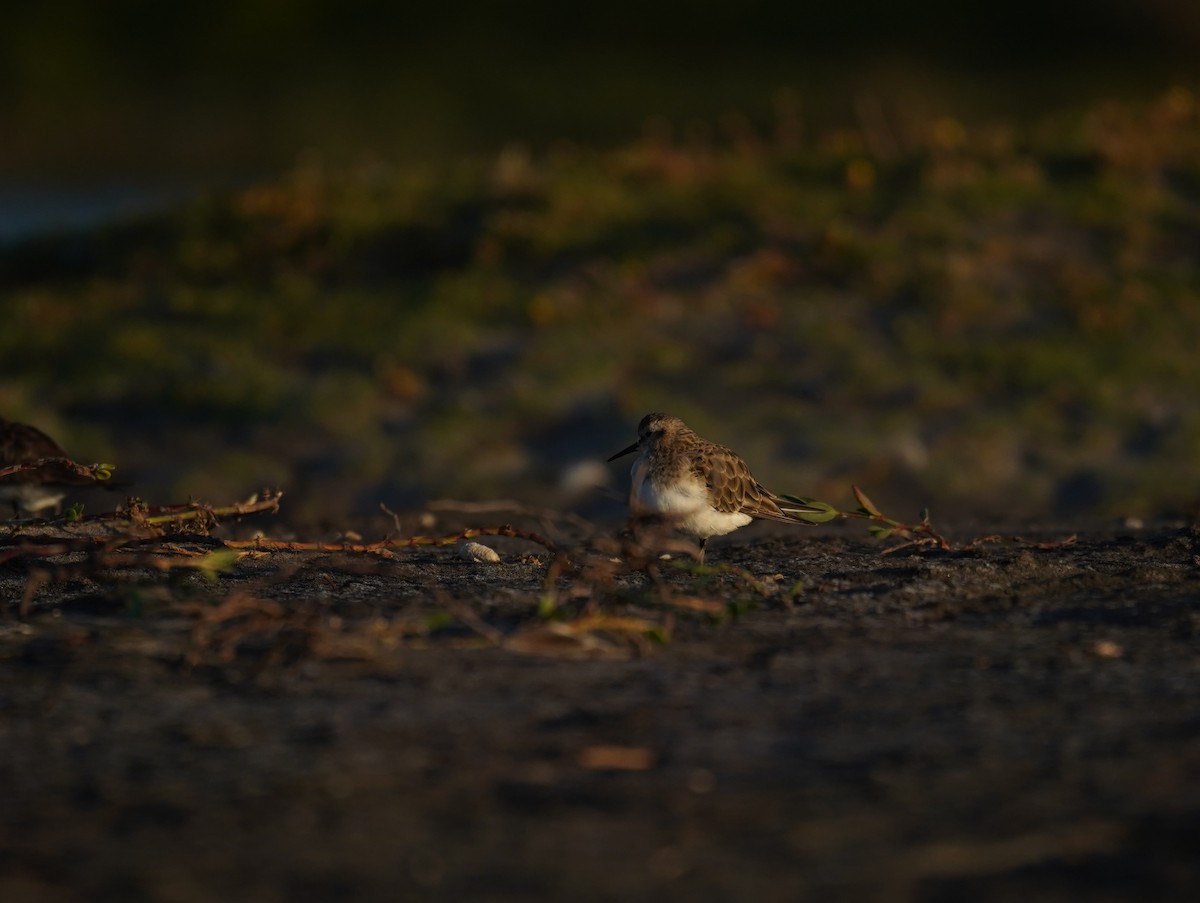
x=31, y=498
x=686, y=499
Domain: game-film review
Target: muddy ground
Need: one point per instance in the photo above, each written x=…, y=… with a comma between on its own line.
x=1004, y=722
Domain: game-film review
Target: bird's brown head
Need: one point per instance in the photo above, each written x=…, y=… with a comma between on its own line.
x=652, y=428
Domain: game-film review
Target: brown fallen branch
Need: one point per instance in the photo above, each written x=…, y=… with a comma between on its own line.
x=208, y=515
x=97, y=472
x=384, y=545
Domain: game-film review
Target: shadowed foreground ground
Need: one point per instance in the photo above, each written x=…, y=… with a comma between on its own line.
x=1002, y=723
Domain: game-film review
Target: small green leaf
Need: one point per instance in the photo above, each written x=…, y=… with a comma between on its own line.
x=879, y=532
x=868, y=507
x=75, y=512
x=547, y=607
x=823, y=511
x=218, y=562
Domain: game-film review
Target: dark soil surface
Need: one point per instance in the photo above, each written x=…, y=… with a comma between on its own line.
x=1005, y=722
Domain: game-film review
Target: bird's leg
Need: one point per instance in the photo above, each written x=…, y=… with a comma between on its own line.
x=703, y=541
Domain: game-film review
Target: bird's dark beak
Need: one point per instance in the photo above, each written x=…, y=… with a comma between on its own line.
x=624, y=452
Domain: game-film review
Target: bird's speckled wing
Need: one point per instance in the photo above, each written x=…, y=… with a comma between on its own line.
x=734, y=488
x=21, y=443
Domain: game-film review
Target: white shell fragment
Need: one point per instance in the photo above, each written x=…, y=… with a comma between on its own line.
x=477, y=551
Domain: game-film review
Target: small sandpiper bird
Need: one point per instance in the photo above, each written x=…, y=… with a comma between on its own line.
x=705, y=488
x=33, y=491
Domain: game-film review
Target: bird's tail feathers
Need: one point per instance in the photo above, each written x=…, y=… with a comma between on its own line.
x=809, y=511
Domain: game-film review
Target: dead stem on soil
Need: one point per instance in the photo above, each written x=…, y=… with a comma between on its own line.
x=97, y=472
x=577, y=613
x=386, y=544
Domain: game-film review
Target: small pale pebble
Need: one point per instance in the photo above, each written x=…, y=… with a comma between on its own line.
x=477, y=551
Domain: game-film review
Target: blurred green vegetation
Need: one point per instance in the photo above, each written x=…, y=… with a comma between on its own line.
x=991, y=320
x=132, y=89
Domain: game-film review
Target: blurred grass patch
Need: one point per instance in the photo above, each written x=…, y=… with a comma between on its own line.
x=1000, y=318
